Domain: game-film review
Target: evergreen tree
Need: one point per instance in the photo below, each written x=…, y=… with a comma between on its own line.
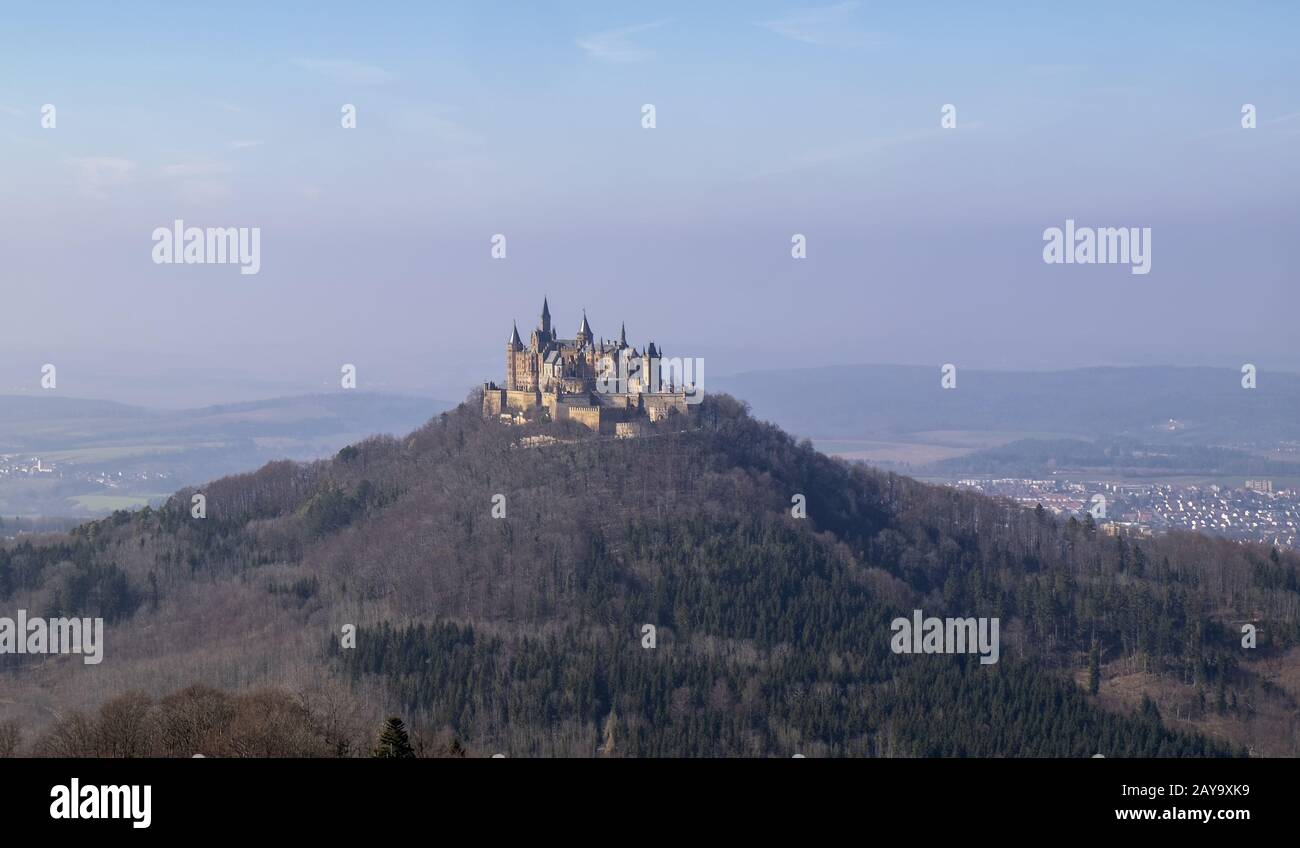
x=1094, y=668
x=394, y=743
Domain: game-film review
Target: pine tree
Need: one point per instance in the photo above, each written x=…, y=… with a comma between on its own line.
x=394, y=743
x=1094, y=668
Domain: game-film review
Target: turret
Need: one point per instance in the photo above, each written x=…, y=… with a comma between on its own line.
x=584, y=331
x=650, y=368
x=513, y=347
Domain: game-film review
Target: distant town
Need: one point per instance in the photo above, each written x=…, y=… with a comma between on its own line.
x=52, y=494
x=14, y=466
x=1254, y=512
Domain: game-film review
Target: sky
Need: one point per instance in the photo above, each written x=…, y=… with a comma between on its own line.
x=924, y=243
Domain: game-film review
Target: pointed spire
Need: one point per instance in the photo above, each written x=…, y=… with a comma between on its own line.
x=622, y=335
x=546, y=316
x=584, y=332
x=515, y=343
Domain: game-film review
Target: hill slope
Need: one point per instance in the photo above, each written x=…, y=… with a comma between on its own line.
x=524, y=633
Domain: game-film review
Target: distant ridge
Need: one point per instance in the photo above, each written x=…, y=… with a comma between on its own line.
x=1208, y=404
x=52, y=422
x=109, y=455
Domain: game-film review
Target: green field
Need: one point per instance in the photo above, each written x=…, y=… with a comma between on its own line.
x=108, y=503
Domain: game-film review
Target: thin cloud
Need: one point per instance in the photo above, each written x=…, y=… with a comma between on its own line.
x=857, y=150
x=97, y=175
x=827, y=26
x=434, y=122
x=1235, y=126
x=204, y=190
x=347, y=71
x=191, y=170
x=199, y=181
x=615, y=45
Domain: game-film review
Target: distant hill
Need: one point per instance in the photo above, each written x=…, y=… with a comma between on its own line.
x=525, y=632
x=17, y=410
x=107, y=455
x=1205, y=405
x=36, y=423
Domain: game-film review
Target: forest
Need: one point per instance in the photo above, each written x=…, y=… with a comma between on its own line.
x=524, y=634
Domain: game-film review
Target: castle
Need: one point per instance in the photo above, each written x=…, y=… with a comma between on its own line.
x=607, y=386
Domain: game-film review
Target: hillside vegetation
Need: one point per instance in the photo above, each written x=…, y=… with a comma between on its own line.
x=523, y=634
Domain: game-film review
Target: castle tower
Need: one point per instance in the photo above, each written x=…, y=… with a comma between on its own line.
x=513, y=347
x=545, y=326
x=584, y=336
x=650, y=368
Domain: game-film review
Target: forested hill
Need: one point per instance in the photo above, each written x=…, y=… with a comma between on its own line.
x=524, y=633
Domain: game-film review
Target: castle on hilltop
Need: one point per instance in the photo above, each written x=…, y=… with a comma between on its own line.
x=607, y=386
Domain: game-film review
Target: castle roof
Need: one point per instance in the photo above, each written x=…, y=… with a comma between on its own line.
x=514, y=339
x=585, y=329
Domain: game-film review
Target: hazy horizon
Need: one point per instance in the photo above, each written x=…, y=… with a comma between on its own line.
x=924, y=244
x=179, y=389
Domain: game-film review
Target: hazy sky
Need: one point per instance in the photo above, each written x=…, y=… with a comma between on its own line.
x=924, y=244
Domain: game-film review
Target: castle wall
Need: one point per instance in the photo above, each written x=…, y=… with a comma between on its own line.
x=588, y=416
x=522, y=400
x=629, y=429
x=659, y=407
